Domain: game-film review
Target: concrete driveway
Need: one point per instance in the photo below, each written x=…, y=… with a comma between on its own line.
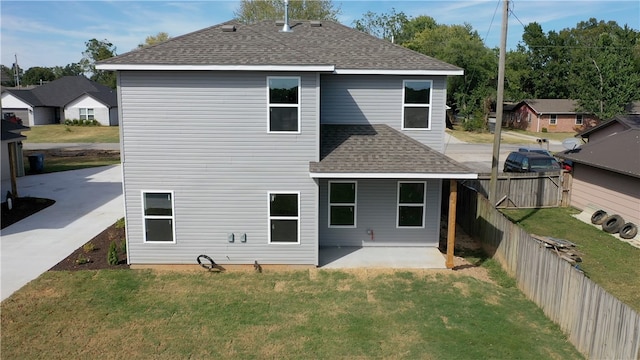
x=87, y=202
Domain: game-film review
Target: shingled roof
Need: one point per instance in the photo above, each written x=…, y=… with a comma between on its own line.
x=553, y=106
x=379, y=151
x=627, y=121
x=617, y=152
x=62, y=91
x=326, y=44
x=12, y=131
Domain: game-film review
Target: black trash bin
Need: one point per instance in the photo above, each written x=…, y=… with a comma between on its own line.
x=36, y=163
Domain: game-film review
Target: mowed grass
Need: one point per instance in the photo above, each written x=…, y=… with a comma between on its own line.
x=487, y=137
x=610, y=262
x=60, y=133
x=304, y=314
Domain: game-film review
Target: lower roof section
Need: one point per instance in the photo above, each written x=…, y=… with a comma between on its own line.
x=380, y=152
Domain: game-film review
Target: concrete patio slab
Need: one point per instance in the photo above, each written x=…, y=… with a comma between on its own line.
x=381, y=257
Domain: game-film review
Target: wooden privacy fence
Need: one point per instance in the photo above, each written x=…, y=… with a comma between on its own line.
x=526, y=190
x=598, y=325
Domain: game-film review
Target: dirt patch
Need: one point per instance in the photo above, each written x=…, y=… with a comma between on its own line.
x=22, y=208
x=96, y=253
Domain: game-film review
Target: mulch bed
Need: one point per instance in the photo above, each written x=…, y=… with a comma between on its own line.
x=23, y=207
x=96, y=254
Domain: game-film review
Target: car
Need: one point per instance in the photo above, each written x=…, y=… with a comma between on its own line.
x=536, y=150
x=529, y=161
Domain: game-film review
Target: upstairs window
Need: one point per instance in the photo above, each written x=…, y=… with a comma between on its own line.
x=284, y=218
x=553, y=120
x=284, y=104
x=411, y=204
x=158, y=216
x=416, y=105
x=86, y=114
x=342, y=204
x=579, y=119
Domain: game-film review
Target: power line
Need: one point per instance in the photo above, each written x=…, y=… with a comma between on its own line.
x=491, y=23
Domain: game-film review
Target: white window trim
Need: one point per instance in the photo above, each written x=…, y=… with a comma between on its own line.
x=172, y=217
x=269, y=217
x=354, y=204
x=581, y=117
x=430, y=120
x=423, y=205
x=269, y=105
x=93, y=113
x=551, y=119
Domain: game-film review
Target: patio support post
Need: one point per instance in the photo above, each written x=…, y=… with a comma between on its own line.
x=451, y=235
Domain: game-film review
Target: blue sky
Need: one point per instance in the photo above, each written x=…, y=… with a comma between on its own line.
x=50, y=33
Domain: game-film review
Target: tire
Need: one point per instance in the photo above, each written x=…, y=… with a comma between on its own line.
x=628, y=231
x=613, y=224
x=598, y=217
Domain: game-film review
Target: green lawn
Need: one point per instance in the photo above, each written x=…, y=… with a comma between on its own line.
x=72, y=134
x=612, y=263
x=304, y=314
x=551, y=136
x=55, y=161
x=487, y=137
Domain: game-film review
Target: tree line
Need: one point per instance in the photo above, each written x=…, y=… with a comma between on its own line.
x=596, y=63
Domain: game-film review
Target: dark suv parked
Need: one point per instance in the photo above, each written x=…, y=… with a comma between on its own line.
x=530, y=162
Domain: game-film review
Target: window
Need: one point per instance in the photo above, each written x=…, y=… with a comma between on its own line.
x=416, y=105
x=342, y=204
x=284, y=104
x=579, y=119
x=553, y=120
x=86, y=114
x=158, y=216
x=411, y=204
x=284, y=218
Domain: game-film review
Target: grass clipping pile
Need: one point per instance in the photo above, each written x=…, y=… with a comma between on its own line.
x=105, y=251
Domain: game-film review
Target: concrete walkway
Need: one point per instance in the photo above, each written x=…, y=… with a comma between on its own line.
x=87, y=202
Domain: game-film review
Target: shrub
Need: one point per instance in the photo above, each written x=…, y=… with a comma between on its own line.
x=82, y=259
x=68, y=122
x=88, y=247
x=74, y=121
x=473, y=124
x=112, y=255
x=123, y=246
x=544, y=129
x=120, y=223
x=95, y=122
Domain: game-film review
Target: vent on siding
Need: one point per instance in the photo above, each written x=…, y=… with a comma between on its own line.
x=228, y=28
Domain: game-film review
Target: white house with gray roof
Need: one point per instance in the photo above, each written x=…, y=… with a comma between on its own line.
x=247, y=143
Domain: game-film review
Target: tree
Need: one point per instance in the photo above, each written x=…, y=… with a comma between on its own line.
x=36, y=75
x=255, y=10
x=96, y=51
x=152, y=40
x=460, y=45
x=72, y=69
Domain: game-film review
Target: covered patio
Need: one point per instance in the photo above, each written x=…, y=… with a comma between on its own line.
x=381, y=257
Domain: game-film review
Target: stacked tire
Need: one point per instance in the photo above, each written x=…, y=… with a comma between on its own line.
x=614, y=224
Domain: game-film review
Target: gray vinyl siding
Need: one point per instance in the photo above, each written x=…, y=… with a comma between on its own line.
x=203, y=135
x=376, y=99
x=376, y=205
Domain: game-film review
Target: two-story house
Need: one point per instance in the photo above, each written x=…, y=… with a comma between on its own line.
x=252, y=143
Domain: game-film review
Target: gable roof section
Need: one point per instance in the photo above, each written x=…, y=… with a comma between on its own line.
x=628, y=121
x=262, y=46
x=379, y=151
x=552, y=106
x=617, y=152
x=62, y=91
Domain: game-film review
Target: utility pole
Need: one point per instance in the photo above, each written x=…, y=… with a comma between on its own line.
x=16, y=71
x=493, y=183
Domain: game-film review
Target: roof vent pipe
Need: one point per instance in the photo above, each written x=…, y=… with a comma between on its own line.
x=286, y=27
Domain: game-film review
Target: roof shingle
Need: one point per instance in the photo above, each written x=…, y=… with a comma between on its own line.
x=263, y=43
x=380, y=149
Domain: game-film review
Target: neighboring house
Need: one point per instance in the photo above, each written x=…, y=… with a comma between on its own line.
x=606, y=170
x=617, y=124
x=12, y=151
x=70, y=97
x=554, y=115
x=248, y=143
